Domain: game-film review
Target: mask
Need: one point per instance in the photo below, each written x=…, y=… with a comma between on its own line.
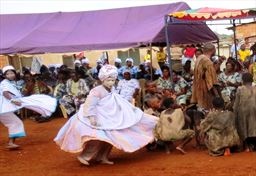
x=109, y=82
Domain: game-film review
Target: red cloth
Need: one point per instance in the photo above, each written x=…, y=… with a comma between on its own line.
x=190, y=52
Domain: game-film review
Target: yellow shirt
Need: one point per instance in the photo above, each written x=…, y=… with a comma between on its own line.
x=74, y=88
x=244, y=54
x=147, y=57
x=160, y=56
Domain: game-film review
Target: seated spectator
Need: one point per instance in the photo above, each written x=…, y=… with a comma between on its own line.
x=1, y=75
x=84, y=71
x=229, y=80
x=118, y=65
x=170, y=126
x=165, y=82
x=142, y=73
x=153, y=106
x=153, y=73
x=187, y=72
x=95, y=70
x=181, y=89
x=129, y=66
x=150, y=91
x=33, y=86
x=128, y=88
x=60, y=89
x=77, y=91
x=219, y=129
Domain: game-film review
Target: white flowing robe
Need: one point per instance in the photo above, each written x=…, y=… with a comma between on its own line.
x=119, y=124
x=43, y=104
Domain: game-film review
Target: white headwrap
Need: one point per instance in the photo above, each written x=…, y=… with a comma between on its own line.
x=85, y=61
x=107, y=71
x=117, y=60
x=127, y=71
x=129, y=60
x=99, y=61
x=77, y=61
x=8, y=67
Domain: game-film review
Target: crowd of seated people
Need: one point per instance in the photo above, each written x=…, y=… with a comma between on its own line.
x=164, y=92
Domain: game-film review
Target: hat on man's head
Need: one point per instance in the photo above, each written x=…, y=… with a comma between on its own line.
x=85, y=61
x=129, y=60
x=77, y=61
x=117, y=60
x=8, y=67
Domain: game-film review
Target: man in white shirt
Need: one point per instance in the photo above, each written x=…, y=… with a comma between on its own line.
x=128, y=88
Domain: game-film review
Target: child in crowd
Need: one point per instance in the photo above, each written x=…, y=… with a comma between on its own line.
x=245, y=112
x=219, y=129
x=170, y=127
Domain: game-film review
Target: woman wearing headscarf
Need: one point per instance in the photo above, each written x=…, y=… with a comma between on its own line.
x=103, y=121
x=11, y=100
x=230, y=80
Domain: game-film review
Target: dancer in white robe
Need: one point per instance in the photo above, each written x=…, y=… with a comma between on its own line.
x=11, y=100
x=103, y=121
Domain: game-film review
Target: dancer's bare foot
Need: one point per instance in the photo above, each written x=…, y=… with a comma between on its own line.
x=181, y=150
x=106, y=161
x=12, y=146
x=83, y=161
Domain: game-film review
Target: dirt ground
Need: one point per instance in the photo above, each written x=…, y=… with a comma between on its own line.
x=40, y=156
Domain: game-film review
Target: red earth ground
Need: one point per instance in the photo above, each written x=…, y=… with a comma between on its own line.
x=40, y=156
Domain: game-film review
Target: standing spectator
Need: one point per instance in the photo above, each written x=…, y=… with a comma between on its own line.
x=161, y=57
x=128, y=88
x=147, y=57
x=243, y=53
x=247, y=44
x=205, y=79
x=233, y=50
x=190, y=51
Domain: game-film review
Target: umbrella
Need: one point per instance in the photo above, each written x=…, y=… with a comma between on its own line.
x=209, y=14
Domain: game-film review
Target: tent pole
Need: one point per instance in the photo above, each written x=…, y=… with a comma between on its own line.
x=234, y=29
x=218, y=45
x=151, y=62
x=166, y=19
